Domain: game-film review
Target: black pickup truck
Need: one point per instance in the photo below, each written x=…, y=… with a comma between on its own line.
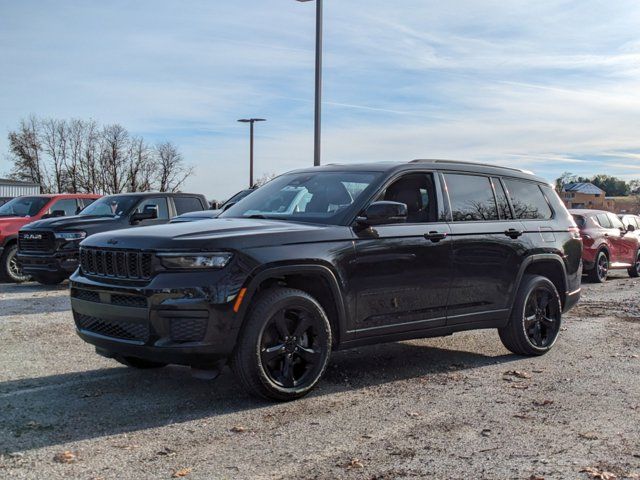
x=48, y=249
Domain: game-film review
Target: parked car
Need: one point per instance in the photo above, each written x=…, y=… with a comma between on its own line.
x=374, y=253
x=48, y=249
x=631, y=223
x=20, y=211
x=608, y=244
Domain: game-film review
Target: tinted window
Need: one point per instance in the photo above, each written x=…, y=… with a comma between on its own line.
x=603, y=220
x=114, y=205
x=503, y=204
x=87, y=201
x=68, y=205
x=23, y=206
x=528, y=201
x=187, y=204
x=615, y=221
x=580, y=221
x=160, y=202
x=471, y=198
x=418, y=193
x=318, y=196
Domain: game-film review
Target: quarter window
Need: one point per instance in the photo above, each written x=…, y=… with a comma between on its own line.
x=528, y=201
x=471, y=198
x=68, y=205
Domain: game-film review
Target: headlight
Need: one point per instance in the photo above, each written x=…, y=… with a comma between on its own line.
x=188, y=261
x=70, y=236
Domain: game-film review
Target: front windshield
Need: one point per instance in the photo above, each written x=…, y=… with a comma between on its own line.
x=23, y=206
x=317, y=197
x=113, y=206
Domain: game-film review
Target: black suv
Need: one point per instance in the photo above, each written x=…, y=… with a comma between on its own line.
x=48, y=249
x=330, y=258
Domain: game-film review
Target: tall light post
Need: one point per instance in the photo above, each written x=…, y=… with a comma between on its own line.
x=251, y=121
x=318, y=101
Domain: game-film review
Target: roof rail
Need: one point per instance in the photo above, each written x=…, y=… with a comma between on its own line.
x=461, y=162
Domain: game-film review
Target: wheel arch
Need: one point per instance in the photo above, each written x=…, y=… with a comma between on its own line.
x=319, y=281
x=9, y=240
x=550, y=266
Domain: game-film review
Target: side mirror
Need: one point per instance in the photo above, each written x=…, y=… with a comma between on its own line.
x=383, y=213
x=150, y=212
x=631, y=228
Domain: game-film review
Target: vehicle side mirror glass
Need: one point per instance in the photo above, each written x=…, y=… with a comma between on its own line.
x=55, y=213
x=150, y=212
x=631, y=228
x=384, y=213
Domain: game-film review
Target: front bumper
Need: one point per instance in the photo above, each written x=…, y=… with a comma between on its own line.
x=178, y=318
x=60, y=262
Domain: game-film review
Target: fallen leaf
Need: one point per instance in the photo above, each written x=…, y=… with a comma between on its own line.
x=522, y=416
x=536, y=477
x=65, y=457
x=589, y=435
x=542, y=403
x=520, y=386
x=181, y=473
x=517, y=374
x=354, y=463
x=598, y=474
x=167, y=452
x=486, y=432
x=413, y=414
x=238, y=429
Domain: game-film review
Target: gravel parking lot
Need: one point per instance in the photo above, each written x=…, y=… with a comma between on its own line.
x=455, y=407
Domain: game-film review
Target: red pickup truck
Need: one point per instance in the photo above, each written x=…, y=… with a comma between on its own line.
x=19, y=212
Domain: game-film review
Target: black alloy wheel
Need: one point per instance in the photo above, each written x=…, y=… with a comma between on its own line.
x=536, y=318
x=284, y=346
x=600, y=271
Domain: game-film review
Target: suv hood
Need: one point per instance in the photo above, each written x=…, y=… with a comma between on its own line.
x=219, y=233
x=87, y=223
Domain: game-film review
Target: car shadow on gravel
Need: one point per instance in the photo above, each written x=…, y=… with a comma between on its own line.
x=48, y=411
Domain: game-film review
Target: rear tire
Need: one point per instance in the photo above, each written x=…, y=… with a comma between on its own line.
x=600, y=270
x=139, y=363
x=634, y=272
x=536, y=318
x=284, y=347
x=10, y=271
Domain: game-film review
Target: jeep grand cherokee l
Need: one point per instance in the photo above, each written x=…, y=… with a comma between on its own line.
x=20, y=211
x=48, y=249
x=330, y=258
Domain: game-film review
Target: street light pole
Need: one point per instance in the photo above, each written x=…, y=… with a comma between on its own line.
x=251, y=121
x=317, y=141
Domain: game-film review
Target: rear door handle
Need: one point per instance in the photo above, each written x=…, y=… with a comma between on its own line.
x=513, y=233
x=435, y=237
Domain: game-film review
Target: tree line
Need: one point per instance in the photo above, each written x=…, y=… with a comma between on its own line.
x=613, y=186
x=81, y=156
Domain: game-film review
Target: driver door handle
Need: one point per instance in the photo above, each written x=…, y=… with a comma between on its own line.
x=435, y=237
x=513, y=233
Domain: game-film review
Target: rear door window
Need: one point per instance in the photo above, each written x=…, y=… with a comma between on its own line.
x=187, y=204
x=615, y=221
x=471, y=198
x=603, y=220
x=528, y=201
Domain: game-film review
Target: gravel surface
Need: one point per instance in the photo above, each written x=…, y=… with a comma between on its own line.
x=455, y=407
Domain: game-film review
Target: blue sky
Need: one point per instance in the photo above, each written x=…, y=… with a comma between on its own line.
x=550, y=86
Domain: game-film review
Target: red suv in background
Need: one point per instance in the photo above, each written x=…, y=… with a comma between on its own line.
x=19, y=212
x=608, y=244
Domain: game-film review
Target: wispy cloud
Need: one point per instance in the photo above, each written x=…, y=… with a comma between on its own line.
x=550, y=85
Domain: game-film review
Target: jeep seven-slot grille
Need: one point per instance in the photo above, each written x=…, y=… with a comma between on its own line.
x=33, y=241
x=111, y=328
x=116, y=263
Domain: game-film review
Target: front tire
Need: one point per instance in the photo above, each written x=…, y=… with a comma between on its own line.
x=600, y=271
x=9, y=268
x=536, y=318
x=634, y=272
x=284, y=347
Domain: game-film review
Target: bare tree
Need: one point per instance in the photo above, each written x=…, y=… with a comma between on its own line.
x=264, y=178
x=113, y=158
x=172, y=172
x=54, y=141
x=26, y=148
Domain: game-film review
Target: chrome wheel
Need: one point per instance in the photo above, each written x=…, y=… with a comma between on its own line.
x=603, y=266
x=13, y=267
